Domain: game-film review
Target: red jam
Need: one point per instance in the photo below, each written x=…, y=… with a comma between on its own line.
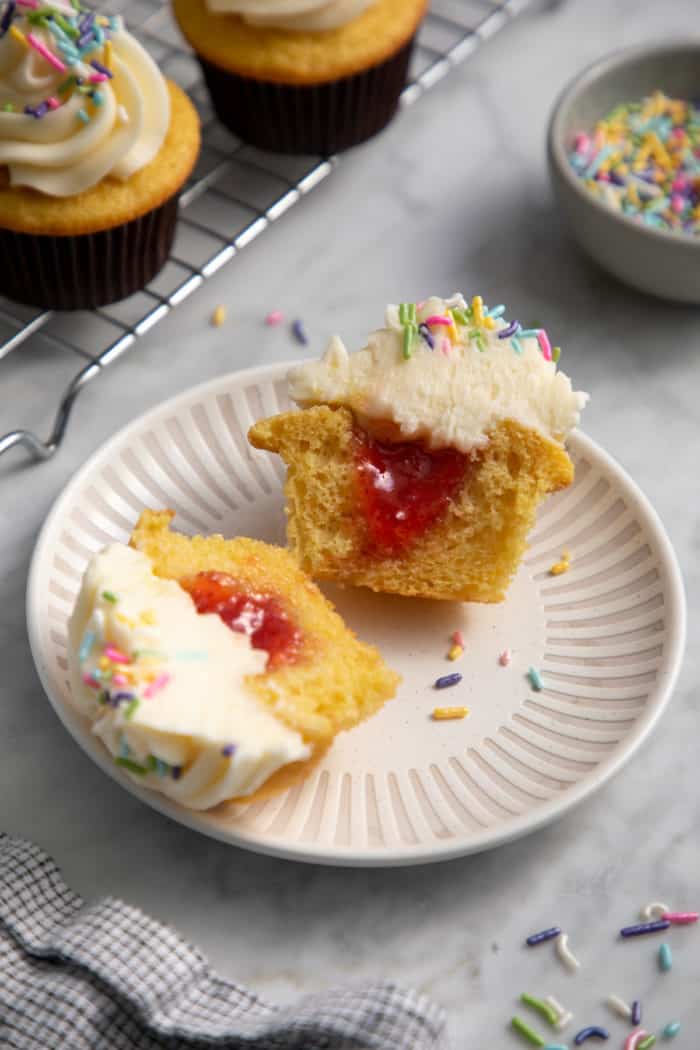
x=405, y=488
x=261, y=616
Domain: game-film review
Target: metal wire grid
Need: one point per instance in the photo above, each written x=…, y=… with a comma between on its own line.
x=234, y=194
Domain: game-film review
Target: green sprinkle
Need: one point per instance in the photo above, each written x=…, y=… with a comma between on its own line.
x=665, y=958
x=8, y=108
x=109, y=596
x=476, y=337
x=409, y=334
x=535, y=679
x=67, y=83
x=544, y=1008
x=130, y=709
x=155, y=653
x=65, y=25
x=103, y=697
x=556, y=354
x=646, y=1043
x=152, y=763
x=461, y=316
x=671, y=1029
x=133, y=767
x=407, y=313
x=526, y=1032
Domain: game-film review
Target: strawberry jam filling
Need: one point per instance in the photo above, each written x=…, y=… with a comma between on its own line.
x=404, y=488
x=261, y=616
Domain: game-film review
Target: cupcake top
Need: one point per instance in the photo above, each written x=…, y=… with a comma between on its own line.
x=165, y=686
x=301, y=15
x=444, y=372
x=80, y=98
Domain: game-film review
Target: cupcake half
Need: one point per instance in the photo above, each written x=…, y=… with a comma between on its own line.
x=95, y=146
x=303, y=76
x=214, y=669
x=417, y=464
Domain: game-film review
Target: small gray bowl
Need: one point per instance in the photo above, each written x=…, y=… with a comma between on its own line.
x=655, y=261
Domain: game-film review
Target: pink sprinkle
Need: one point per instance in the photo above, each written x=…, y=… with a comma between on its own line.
x=436, y=319
x=582, y=143
x=274, y=318
x=458, y=638
x=98, y=78
x=116, y=655
x=677, y=203
x=634, y=1039
x=603, y=176
x=92, y=682
x=504, y=658
x=155, y=687
x=420, y=305
x=445, y=346
x=53, y=103
x=28, y=3
x=120, y=679
x=43, y=50
x=679, y=183
x=681, y=918
x=545, y=345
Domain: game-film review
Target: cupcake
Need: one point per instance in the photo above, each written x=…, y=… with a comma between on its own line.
x=303, y=76
x=416, y=465
x=95, y=146
x=214, y=669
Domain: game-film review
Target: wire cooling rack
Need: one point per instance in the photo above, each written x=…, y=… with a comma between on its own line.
x=233, y=196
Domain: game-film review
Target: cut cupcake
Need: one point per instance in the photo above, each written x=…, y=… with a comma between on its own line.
x=417, y=464
x=214, y=669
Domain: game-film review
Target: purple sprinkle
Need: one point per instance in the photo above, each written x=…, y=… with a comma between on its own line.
x=427, y=335
x=447, y=680
x=86, y=21
x=121, y=698
x=636, y=1015
x=85, y=39
x=37, y=111
x=228, y=751
x=299, y=333
x=176, y=772
x=7, y=17
x=101, y=69
x=593, y=1031
x=544, y=935
x=512, y=329
x=645, y=927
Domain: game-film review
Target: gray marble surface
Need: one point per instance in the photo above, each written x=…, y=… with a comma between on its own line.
x=454, y=195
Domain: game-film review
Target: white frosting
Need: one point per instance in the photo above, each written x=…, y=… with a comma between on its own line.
x=305, y=16
x=449, y=396
x=58, y=154
x=204, y=707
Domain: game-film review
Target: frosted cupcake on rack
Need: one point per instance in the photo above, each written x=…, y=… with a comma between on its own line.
x=303, y=76
x=416, y=465
x=214, y=669
x=95, y=146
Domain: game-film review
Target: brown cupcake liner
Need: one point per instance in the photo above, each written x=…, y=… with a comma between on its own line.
x=85, y=270
x=318, y=118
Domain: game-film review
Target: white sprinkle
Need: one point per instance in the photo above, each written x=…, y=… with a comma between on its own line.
x=619, y=1006
x=122, y=114
x=564, y=1016
x=655, y=910
x=565, y=953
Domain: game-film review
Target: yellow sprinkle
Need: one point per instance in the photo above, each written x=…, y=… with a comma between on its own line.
x=561, y=566
x=148, y=616
x=219, y=316
x=478, y=310
x=107, y=55
x=125, y=619
x=455, y=652
x=18, y=35
x=489, y=323
x=104, y=663
x=444, y=714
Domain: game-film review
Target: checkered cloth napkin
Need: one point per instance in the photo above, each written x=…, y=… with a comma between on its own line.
x=80, y=976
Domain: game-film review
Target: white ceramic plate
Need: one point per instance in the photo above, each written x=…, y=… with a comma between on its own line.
x=402, y=789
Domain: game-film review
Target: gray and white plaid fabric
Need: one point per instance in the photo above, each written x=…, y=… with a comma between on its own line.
x=107, y=976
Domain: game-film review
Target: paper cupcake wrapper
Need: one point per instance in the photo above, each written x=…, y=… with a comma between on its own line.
x=86, y=270
x=319, y=118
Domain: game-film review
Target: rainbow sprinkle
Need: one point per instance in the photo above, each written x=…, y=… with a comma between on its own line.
x=449, y=714
x=643, y=160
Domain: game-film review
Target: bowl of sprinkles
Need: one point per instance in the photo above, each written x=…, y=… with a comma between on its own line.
x=624, y=158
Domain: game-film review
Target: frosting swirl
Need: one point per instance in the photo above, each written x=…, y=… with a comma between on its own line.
x=445, y=372
x=80, y=99
x=301, y=15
